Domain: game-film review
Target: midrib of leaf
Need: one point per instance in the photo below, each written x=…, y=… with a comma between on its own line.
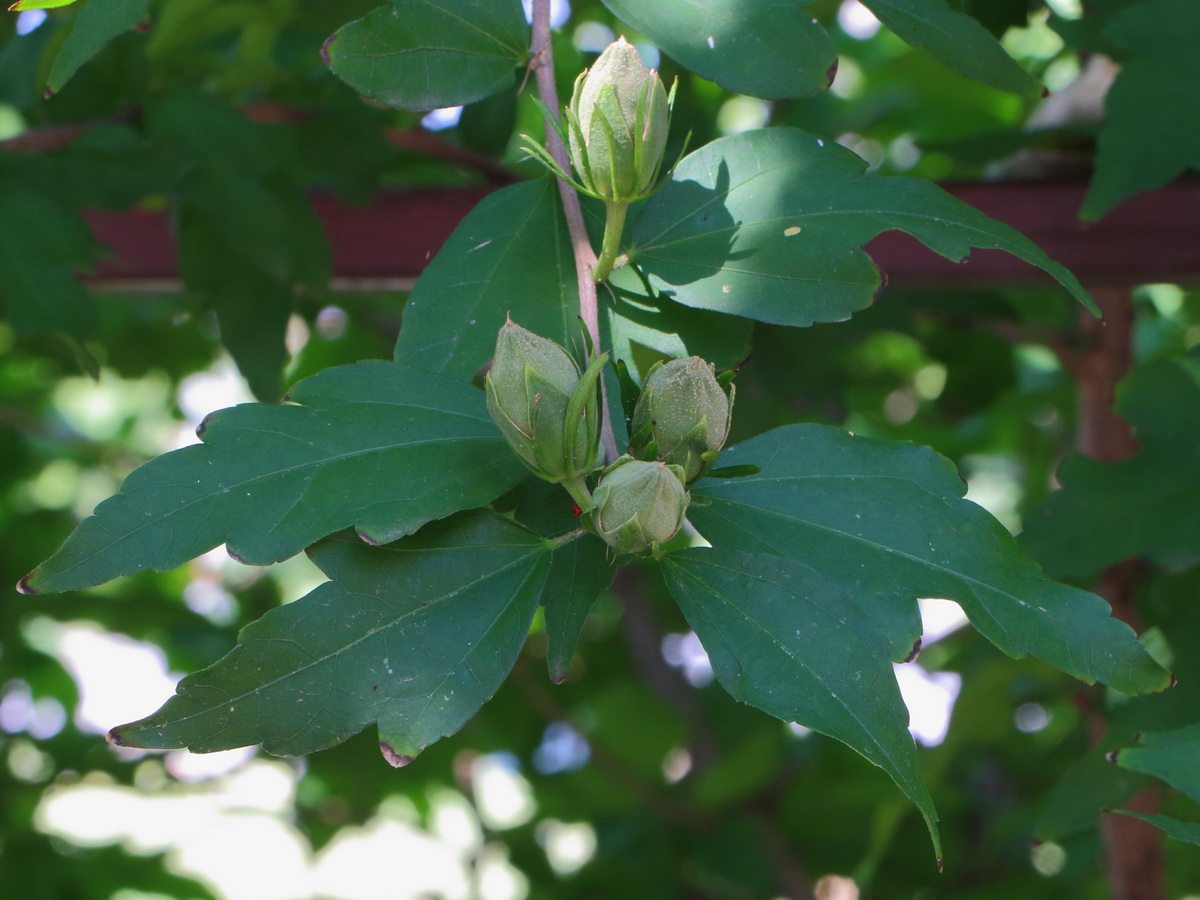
x=471, y=26
x=374, y=631
x=157, y=521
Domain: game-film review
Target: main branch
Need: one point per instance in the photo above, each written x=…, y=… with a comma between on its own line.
x=585, y=256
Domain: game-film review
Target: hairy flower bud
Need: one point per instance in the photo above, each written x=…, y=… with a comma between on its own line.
x=682, y=416
x=547, y=411
x=618, y=120
x=638, y=505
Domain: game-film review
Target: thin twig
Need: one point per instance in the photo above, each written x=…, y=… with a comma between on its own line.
x=585, y=257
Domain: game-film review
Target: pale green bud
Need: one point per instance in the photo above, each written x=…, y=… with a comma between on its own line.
x=617, y=125
x=638, y=505
x=682, y=416
x=547, y=411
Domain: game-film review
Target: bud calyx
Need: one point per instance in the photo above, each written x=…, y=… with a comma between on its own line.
x=682, y=416
x=639, y=505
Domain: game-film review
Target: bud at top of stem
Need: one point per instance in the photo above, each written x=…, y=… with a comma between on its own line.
x=682, y=416
x=547, y=411
x=639, y=505
x=617, y=124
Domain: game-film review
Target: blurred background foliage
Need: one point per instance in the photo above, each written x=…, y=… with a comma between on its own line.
x=636, y=775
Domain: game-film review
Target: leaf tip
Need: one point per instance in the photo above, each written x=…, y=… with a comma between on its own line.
x=115, y=738
x=941, y=864
x=831, y=73
x=368, y=539
x=24, y=586
x=394, y=759
x=325, y=49
x=47, y=94
x=914, y=652
x=1113, y=756
x=203, y=426
x=236, y=557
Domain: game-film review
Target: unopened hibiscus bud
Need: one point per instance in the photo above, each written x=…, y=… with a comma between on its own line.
x=546, y=410
x=682, y=416
x=638, y=505
x=617, y=125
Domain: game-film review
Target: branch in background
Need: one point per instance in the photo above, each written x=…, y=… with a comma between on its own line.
x=542, y=60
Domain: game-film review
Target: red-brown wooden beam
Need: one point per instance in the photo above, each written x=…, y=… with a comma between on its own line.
x=1153, y=237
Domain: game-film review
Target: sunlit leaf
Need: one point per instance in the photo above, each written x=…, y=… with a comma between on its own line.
x=420, y=54
x=765, y=48
x=373, y=445
x=22, y=5
x=956, y=40
x=887, y=522
x=769, y=225
x=414, y=636
x=795, y=643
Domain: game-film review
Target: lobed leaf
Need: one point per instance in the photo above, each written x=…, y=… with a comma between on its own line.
x=1143, y=506
x=956, y=40
x=1148, y=139
x=887, y=521
x=421, y=54
x=1172, y=827
x=795, y=643
x=373, y=445
x=770, y=225
x=1169, y=755
x=414, y=636
x=766, y=48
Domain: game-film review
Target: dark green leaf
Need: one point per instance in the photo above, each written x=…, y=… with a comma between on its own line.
x=414, y=636
x=97, y=23
x=956, y=40
x=793, y=642
x=1182, y=831
x=44, y=244
x=1173, y=756
x=580, y=572
x=766, y=48
x=1149, y=138
x=770, y=224
x=420, y=54
x=510, y=256
x=373, y=445
x=1146, y=505
x=888, y=522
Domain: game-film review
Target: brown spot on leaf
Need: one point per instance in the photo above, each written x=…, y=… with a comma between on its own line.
x=235, y=557
x=395, y=760
x=203, y=426
x=114, y=738
x=914, y=652
x=1112, y=755
x=325, y=48
x=831, y=73
x=143, y=27
x=24, y=587
x=367, y=539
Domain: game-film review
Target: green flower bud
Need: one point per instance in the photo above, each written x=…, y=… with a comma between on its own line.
x=618, y=120
x=638, y=505
x=547, y=411
x=682, y=416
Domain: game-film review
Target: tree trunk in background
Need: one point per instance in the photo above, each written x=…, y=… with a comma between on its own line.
x=1133, y=849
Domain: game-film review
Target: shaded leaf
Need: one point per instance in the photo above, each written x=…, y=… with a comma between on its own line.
x=766, y=48
x=420, y=54
x=1172, y=756
x=1145, y=505
x=793, y=642
x=1182, y=831
x=956, y=40
x=769, y=224
x=1146, y=141
x=414, y=636
x=45, y=244
x=510, y=256
x=888, y=522
x=374, y=445
x=97, y=23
